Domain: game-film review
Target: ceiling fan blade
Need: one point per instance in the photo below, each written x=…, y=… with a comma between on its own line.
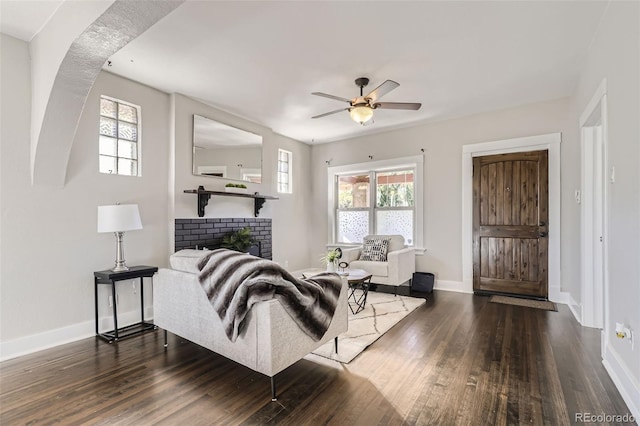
x=382, y=90
x=398, y=105
x=332, y=112
x=326, y=95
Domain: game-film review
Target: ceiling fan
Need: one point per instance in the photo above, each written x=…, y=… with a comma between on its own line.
x=361, y=107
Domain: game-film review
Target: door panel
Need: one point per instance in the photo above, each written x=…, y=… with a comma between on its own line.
x=510, y=221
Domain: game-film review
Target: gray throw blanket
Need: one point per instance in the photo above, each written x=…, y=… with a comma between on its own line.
x=235, y=281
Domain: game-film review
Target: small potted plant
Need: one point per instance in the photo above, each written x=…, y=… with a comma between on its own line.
x=240, y=240
x=238, y=188
x=331, y=259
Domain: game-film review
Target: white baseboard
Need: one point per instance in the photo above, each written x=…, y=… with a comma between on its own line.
x=559, y=296
x=466, y=286
x=457, y=286
x=623, y=379
x=71, y=333
x=576, y=309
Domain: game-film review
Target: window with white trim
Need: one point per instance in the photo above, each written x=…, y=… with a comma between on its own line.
x=384, y=199
x=119, y=140
x=284, y=171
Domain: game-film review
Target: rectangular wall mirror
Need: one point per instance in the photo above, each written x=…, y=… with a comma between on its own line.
x=226, y=152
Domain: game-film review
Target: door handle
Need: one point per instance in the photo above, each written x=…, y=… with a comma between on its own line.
x=542, y=234
x=541, y=223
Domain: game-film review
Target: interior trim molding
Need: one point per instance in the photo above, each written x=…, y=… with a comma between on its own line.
x=550, y=142
x=594, y=148
x=71, y=333
x=576, y=309
x=623, y=379
x=416, y=161
x=455, y=286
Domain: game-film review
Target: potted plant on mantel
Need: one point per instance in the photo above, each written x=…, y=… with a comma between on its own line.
x=240, y=240
x=238, y=188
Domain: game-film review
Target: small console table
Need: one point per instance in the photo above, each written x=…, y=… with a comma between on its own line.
x=110, y=277
x=204, y=196
x=358, y=280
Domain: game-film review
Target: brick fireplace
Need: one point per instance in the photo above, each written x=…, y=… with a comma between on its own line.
x=208, y=232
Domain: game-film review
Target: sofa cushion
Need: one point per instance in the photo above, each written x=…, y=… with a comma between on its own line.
x=375, y=249
x=380, y=269
x=186, y=260
x=396, y=242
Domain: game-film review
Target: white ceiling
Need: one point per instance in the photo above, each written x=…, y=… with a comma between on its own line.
x=261, y=60
x=23, y=19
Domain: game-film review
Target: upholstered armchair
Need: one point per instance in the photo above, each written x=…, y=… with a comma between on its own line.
x=396, y=270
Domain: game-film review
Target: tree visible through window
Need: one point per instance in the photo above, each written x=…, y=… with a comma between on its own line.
x=387, y=208
x=119, y=143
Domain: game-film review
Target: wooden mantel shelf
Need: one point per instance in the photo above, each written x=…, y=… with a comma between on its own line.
x=204, y=195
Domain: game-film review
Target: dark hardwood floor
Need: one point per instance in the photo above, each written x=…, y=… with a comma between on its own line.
x=457, y=360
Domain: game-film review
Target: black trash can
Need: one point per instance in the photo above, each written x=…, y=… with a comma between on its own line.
x=422, y=281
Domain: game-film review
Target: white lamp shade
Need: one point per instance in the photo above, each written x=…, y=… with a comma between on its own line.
x=119, y=218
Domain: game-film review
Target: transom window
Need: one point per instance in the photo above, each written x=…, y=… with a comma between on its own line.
x=284, y=171
x=119, y=141
x=382, y=199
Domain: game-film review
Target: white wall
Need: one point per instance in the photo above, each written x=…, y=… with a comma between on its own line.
x=442, y=142
x=50, y=246
x=289, y=214
x=614, y=54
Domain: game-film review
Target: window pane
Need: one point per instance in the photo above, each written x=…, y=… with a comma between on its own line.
x=127, y=113
x=107, y=164
x=127, y=149
x=108, y=146
x=107, y=108
x=127, y=167
x=283, y=187
x=394, y=189
x=283, y=167
x=108, y=127
x=395, y=222
x=284, y=156
x=353, y=191
x=353, y=226
x=128, y=131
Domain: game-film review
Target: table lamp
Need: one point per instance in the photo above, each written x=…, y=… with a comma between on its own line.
x=118, y=219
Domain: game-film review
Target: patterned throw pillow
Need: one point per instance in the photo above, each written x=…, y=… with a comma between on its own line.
x=375, y=249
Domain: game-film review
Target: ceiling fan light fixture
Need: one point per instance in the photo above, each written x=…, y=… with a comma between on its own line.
x=361, y=114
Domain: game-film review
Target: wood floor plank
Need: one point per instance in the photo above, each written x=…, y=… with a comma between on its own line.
x=458, y=360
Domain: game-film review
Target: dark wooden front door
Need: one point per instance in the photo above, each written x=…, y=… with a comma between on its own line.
x=510, y=223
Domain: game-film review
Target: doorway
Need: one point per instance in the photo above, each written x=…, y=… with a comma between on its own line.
x=593, y=212
x=550, y=142
x=510, y=224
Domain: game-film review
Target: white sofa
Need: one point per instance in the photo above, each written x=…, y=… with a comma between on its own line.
x=397, y=270
x=272, y=341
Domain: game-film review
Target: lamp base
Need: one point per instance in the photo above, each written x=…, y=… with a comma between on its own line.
x=120, y=268
x=120, y=262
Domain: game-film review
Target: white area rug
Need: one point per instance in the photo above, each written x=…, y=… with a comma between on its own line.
x=382, y=312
